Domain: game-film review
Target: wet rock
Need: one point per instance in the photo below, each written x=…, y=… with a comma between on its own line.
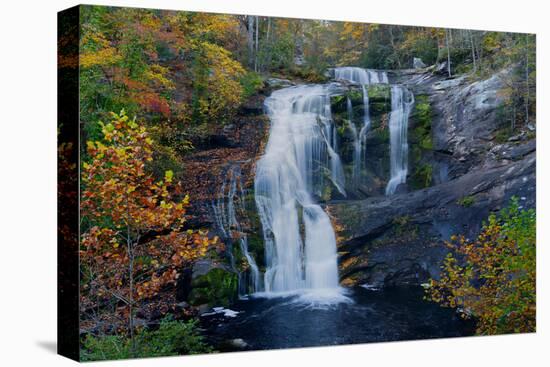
x=402, y=188
x=238, y=343
x=441, y=68
x=277, y=83
x=417, y=63
x=212, y=284
x=399, y=239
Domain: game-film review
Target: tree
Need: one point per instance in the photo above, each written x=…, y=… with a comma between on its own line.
x=134, y=243
x=493, y=278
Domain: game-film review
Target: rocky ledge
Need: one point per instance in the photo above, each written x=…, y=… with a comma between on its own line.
x=473, y=171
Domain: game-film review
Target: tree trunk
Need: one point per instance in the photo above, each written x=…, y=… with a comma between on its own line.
x=250, y=30
x=473, y=51
x=394, y=48
x=131, y=280
x=256, y=50
x=448, y=52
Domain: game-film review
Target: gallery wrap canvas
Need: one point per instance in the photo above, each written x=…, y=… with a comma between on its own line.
x=242, y=182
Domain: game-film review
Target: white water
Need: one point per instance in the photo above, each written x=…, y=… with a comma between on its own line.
x=230, y=201
x=300, y=243
x=364, y=77
x=402, y=101
x=300, y=156
x=360, y=75
x=356, y=169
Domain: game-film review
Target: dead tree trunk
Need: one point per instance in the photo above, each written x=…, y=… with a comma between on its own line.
x=448, y=51
x=256, y=49
x=473, y=50
x=250, y=39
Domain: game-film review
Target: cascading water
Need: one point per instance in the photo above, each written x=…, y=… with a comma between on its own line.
x=301, y=154
x=402, y=101
x=230, y=201
x=364, y=77
x=356, y=144
x=360, y=75
x=300, y=243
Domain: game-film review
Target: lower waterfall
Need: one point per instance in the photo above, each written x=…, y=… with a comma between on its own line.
x=300, y=160
x=299, y=240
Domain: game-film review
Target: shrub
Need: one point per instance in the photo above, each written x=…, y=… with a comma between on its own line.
x=466, y=201
x=170, y=338
x=492, y=279
x=251, y=83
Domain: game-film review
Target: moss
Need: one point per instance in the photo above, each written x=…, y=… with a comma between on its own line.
x=466, y=201
x=421, y=143
x=502, y=135
x=403, y=220
x=339, y=106
x=404, y=228
x=327, y=193
x=421, y=177
x=422, y=114
x=379, y=93
x=256, y=247
x=356, y=96
x=217, y=287
x=382, y=134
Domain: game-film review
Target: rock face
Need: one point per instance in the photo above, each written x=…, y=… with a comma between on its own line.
x=459, y=172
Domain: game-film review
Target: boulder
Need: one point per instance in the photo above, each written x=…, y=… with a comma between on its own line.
x=417, y=63
x=277, y=83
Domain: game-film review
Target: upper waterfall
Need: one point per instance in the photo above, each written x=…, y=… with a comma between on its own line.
x=363, y=77
x=402, y=101
x=360, y=76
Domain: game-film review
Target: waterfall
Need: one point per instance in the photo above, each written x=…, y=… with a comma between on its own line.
x=363, y=77
x=366, y=119
x=402, y=101
x=360, y=76
x=356, y=144
x=230, y=201
x=300, y=243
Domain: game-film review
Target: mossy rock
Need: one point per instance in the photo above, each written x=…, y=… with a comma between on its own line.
x=339, y=103
x=421, y=144
x=379, y=108
x=422, y=122
x=217, y=287
x=379, y=93
x=356, y=96
x=379, y=99
x=256, y=247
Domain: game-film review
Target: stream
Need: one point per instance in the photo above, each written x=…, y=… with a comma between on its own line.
x=373, y=316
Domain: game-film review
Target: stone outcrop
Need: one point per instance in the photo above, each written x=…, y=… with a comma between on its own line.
x=465, y=172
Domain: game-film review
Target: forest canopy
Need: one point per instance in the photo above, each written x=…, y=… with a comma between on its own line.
x=135, y=58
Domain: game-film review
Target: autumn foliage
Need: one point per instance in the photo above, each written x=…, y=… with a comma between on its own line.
x=492, y=279
x=134, y=242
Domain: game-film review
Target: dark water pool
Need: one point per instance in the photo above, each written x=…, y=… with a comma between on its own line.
x=374, y=316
